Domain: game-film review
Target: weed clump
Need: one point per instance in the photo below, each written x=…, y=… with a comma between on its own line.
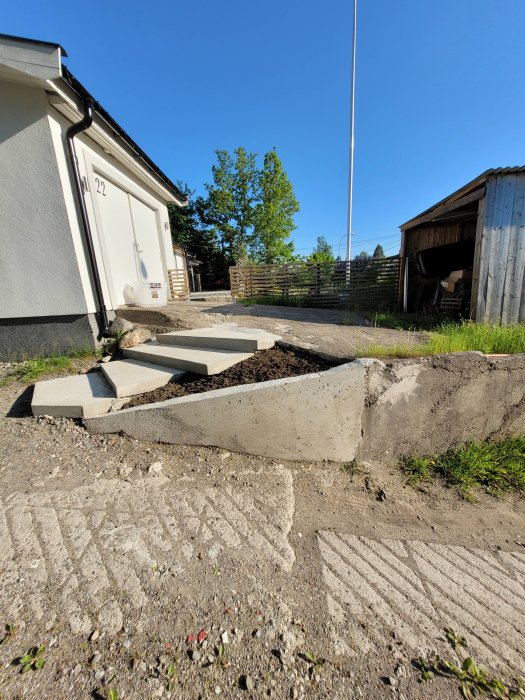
x=496, y=467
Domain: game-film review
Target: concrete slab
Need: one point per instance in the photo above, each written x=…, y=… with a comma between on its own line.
x=106, y=536
x=130, y=377
x=419, y=588
x=315, y=416
x=259, y=332
x=219, y=338
x=191, y=359
x=78, y=396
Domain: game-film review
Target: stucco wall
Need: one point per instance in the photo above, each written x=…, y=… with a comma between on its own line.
x=38, y=271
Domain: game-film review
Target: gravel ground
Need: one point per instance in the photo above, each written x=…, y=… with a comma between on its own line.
x=163, y=571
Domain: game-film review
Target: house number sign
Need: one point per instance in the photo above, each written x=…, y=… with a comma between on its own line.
x=101, y=186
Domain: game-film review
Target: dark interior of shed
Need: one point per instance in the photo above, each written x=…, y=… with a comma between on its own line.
x=439, y=261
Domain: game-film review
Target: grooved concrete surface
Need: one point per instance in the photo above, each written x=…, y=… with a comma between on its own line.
x=416, y=589
x=98, y=550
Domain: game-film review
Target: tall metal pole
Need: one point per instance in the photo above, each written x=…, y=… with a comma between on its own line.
x=351, y=164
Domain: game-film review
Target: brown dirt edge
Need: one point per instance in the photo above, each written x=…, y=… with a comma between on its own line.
x=276, y=363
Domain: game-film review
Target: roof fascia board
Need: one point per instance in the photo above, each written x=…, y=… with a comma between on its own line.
x=35, y=59
x=450, y=205
x=63, y=101
x=472, y=185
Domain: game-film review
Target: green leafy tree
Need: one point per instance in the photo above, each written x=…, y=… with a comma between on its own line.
x=323, y=251
x=274, y=214
x=362, y=257
x=230, y=205
x=188, y=228
x=378, y=252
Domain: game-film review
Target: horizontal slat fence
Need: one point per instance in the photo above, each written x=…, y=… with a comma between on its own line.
x=370, y=284
x=179, y=287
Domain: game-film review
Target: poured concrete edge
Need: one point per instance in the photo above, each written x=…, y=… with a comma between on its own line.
x=311, y=417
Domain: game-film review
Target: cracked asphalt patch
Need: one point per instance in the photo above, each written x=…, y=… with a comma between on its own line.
x=416, y=589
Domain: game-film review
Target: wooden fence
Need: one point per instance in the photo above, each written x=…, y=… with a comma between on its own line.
x=179, y=287
x=371, y=284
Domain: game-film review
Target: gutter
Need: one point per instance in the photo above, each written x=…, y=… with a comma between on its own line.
x=101, y=313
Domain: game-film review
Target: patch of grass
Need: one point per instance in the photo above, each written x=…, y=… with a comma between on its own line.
x=396, y=320
x=33, y=368
x=30, y=370
x=496, y=467
x=489, y=338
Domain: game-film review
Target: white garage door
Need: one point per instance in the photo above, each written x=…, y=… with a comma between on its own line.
x=129, y=238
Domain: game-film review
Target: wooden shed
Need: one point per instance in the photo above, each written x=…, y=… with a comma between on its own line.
x=467, y=252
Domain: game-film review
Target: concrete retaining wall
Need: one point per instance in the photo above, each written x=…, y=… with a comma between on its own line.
x=314, y=417
x=428, y=405
x=367, y=409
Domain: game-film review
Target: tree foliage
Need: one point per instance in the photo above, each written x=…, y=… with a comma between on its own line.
x=378, y=252
x=362, y=257
x=188, y=230
x=323, y=251
x=274, y=214
x=232, y=198
x=251, y=210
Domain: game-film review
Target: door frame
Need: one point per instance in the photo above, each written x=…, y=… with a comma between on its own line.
x=95, y=165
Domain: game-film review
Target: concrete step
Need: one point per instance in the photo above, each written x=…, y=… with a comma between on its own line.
x=78, y=396
x=259, y=332
x=218, y=339
x=130, y=377
x=196, y=360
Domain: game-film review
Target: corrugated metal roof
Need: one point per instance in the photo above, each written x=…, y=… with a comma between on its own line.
x=477, y=182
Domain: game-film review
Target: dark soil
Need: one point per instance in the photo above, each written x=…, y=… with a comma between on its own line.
x=275, y=363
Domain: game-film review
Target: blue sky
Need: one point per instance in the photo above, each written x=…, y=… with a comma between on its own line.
x=439, y=93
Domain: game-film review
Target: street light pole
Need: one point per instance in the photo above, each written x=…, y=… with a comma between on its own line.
x=351, y=164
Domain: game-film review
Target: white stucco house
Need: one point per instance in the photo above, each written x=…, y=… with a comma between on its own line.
x=83, y=210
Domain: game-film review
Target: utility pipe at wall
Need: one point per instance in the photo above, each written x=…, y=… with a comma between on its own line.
x=72, y=131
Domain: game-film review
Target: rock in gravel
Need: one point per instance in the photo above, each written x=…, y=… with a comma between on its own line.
x=141, y=335
x=95, y=659
x=195, y=655
x=94, y=635
x=155, y=469
x=120, y=325
x=224, y=637
x=248, y=683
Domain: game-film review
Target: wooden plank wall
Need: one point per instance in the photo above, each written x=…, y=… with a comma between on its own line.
x=371, y=284
x=432, y=235
x=428, y=236
x=179, y=286
x=501, y=285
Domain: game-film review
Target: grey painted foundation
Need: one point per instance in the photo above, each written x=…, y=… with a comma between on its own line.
x=27, y=337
